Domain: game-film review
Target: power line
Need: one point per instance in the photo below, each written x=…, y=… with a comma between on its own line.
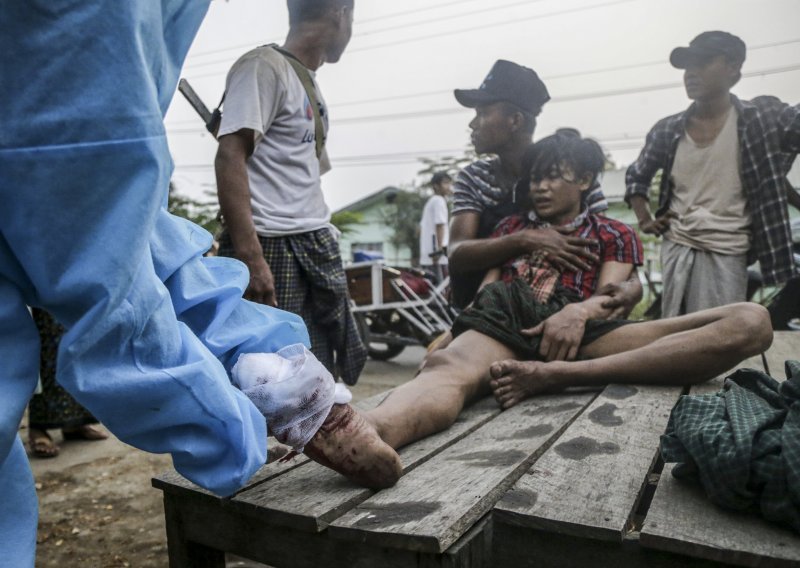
x=381, y=30
x=414, y=11
x=554, y=100
x=363, y=22
x=447, y=17
x=549, y=77
x=413, y=156
x=485, y=26
x=447, y=33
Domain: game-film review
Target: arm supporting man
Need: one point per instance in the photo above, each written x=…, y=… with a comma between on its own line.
x=468, y=254
x=234, y=201
x=562, y=332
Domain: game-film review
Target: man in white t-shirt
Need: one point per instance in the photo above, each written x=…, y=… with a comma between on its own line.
x=270, y=159
x=433, y=231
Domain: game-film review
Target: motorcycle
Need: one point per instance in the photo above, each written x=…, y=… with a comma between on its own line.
x=397, y=307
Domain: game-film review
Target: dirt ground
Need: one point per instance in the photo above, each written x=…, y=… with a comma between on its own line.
x=97, y=507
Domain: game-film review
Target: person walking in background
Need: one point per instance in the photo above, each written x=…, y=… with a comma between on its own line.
x=434, y=233
x=54, y=407
x=723, y=194
x=269, y=162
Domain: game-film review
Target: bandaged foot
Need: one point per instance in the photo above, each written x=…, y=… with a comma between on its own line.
x=296, y=394
x=347, y=443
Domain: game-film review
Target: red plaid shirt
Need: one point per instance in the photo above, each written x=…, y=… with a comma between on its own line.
x=618, y=242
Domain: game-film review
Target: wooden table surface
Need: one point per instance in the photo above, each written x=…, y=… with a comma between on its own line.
x=561, y=480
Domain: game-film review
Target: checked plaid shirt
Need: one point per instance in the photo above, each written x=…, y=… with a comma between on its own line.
x=769, y=139
x=617, y=242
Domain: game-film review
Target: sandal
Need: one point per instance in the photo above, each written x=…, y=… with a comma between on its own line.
x=41, y=444
x=85, y=432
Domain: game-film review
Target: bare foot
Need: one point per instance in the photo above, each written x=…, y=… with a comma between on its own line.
x=41, y=444
x=350, y=445
x=514, y=381
x=85, y=432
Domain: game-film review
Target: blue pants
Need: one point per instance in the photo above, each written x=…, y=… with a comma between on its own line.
x=152, y=327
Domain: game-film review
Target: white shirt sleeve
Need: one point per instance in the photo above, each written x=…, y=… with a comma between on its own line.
x=439, y=211
x=254, y=94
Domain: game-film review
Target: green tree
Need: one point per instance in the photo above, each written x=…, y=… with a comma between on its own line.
x=403, y=214
x=450, y=164
x=345, y=221
x=203, y=213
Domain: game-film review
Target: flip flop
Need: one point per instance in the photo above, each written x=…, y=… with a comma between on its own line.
x=43, y=446
x=86, y=432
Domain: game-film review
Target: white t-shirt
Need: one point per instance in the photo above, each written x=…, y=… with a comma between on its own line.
x=264, y=94
x=708, y=200
x=434, y=213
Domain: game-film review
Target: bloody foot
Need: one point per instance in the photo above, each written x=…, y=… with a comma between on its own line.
x=350, y=445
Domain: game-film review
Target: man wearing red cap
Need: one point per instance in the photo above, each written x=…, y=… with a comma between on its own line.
x=723, y=196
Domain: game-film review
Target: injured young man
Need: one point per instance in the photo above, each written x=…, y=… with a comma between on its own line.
x=534, y=328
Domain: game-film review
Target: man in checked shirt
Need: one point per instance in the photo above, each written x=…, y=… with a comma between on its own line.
x=723, y=195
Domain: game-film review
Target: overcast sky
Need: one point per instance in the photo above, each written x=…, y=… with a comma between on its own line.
x=605, y=63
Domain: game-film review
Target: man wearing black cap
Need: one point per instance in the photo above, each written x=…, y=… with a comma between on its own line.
x=506, y=106
x=723, y=195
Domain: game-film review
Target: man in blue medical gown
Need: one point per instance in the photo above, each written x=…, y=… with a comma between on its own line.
x=153, y=327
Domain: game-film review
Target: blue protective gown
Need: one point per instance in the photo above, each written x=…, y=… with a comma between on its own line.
x=153, y=328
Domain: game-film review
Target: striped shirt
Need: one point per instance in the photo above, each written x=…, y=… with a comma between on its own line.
x=769, y=139
x=478, y=189
x=617, y=242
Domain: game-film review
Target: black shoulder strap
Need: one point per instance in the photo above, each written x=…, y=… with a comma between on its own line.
x=311, y=91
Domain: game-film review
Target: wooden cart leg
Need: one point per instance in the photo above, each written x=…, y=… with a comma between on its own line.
x=184, y=553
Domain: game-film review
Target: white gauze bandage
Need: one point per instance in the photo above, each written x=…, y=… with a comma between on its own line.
x=292, y=389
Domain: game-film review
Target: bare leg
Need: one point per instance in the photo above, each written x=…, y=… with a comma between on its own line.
x=431, y=401
x=675, y=351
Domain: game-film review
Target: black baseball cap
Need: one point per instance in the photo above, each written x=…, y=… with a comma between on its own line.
x=708, y=45
x=510, y=83
x=439, y=177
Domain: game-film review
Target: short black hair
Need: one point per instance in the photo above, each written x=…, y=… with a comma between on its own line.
x=530, y=117
x=310, y=10
x=565, y=148
x=439, y=177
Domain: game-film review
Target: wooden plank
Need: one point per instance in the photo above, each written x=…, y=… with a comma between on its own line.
x=589, y=483
x=173, y=481
x=520, y=547
x=756, y=362
x=309, y=498
x=213, y=527
x=785, y=346
x=681, y=519
x=432, y=507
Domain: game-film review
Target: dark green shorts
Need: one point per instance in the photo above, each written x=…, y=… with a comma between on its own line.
x=501, y=310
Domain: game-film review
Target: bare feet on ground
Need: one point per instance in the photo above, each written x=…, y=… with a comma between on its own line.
x=43, y=446
x=514, y=381
x=85, y=432
x=350, y=445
